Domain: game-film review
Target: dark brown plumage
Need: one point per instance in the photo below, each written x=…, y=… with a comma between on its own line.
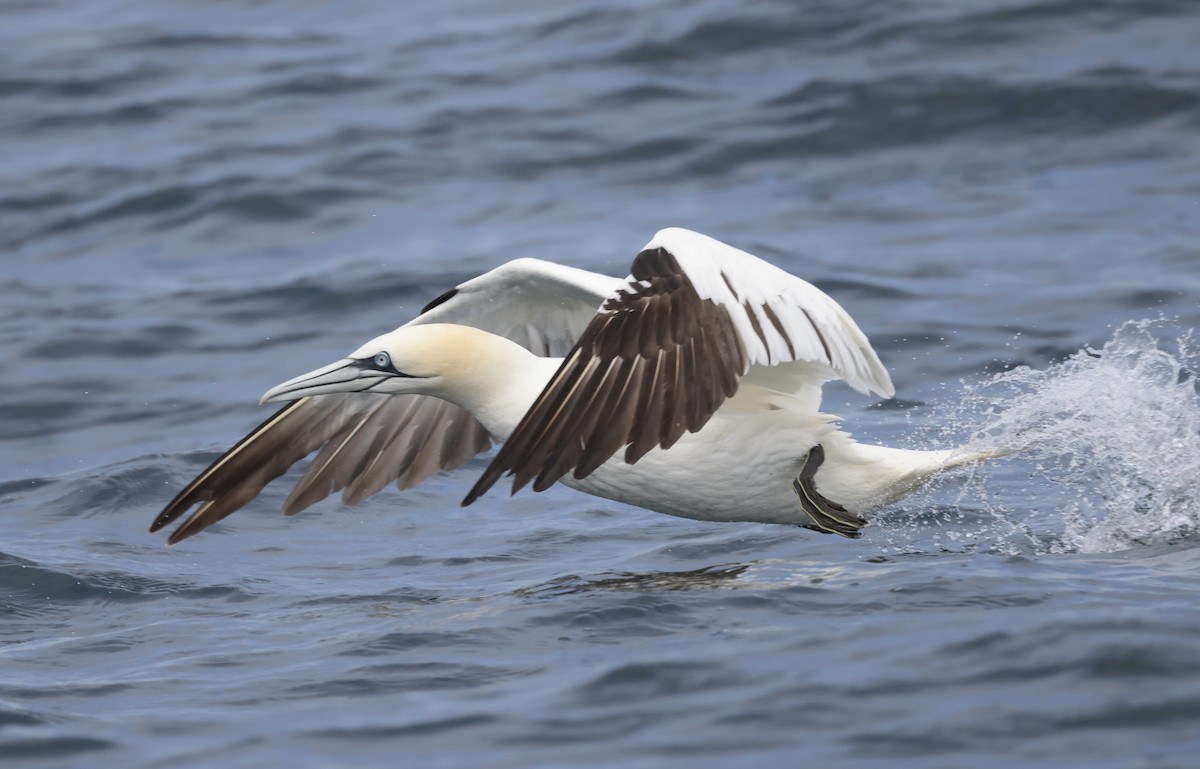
x=655, y=338
x=377, y=439
x=666, y=348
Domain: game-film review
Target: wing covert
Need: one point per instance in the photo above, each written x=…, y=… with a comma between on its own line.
x=656, y=361
x=669, y=347
x=367, y=441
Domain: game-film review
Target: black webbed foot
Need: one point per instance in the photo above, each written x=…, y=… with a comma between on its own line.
x=828, y=516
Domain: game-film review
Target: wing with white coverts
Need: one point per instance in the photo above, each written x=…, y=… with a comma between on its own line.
x=669, y=346
x=366, y=441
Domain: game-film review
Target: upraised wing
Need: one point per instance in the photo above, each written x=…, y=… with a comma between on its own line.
x=366, y=441
x=668, y=347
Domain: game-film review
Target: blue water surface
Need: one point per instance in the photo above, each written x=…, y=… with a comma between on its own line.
x=199, y=200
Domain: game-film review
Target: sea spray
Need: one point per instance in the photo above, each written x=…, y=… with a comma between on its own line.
x=1109, y=440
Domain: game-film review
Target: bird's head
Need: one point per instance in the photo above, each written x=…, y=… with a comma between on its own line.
x=412, y=359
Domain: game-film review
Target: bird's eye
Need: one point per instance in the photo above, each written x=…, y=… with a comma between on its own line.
x=382, y=360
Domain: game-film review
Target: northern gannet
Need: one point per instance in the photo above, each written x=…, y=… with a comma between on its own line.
x=692, y=387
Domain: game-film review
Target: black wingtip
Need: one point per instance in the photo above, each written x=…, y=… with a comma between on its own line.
x=169, y=513
x=477, y=491
x=489, y=478
x=188, y=528
x=446, y=297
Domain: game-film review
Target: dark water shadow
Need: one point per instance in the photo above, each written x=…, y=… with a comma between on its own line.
x=707, y=578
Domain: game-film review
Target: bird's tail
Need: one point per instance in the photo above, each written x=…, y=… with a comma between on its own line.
x=969, y=455
x=900, y=471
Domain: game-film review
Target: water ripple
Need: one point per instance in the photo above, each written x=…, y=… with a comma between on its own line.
x=200, y=201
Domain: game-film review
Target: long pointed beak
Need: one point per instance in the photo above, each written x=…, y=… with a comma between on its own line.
x=347, y=375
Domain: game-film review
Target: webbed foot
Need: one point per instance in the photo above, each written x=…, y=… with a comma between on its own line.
x=828, y=516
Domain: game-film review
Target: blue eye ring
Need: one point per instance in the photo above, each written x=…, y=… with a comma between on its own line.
x=382, y=361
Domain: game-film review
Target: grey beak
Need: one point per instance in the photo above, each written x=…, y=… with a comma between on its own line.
x=347, y=375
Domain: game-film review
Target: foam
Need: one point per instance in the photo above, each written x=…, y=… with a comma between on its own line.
x=1108, y=438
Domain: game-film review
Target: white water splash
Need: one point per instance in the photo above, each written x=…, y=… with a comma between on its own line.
x=1112, y=441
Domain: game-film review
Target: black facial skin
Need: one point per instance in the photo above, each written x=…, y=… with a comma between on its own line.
x=381, y=362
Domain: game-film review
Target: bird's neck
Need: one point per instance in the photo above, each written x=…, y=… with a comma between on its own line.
x=499, y=383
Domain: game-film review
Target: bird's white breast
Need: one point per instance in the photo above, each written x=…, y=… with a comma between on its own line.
x=738, y=468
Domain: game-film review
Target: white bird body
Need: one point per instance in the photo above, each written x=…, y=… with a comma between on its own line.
x=739, y=467
x=705, y=366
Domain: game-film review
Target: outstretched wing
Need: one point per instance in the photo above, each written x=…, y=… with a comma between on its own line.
x=669, y=347
x=366, y=441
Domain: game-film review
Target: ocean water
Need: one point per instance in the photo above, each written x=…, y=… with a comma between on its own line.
x=199, y=200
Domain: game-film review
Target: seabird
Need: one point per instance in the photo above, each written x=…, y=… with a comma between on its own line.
x=692, y=387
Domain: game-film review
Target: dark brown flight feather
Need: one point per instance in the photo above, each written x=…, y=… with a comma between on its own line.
x=368, y=440
x=657, y=361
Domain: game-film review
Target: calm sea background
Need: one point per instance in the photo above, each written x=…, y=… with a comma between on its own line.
x=199, y=200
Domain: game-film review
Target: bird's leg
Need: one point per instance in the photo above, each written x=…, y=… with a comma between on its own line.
x=828, y=516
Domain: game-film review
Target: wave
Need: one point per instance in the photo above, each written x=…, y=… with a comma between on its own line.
x=1109, y=437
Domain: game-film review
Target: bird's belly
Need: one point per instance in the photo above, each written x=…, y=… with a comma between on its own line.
x=722, y=474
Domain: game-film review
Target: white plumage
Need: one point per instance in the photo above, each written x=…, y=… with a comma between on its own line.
x=691, y=387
